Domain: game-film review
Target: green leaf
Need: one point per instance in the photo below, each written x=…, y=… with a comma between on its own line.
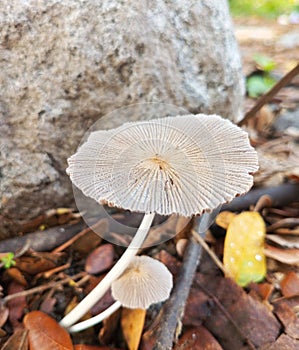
x=258, y=85
x=265, y=63
x=8, y=260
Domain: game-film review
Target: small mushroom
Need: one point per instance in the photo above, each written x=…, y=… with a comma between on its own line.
x=184, y=165
x=146, y=281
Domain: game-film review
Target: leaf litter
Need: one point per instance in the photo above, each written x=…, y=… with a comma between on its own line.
x=45, y=282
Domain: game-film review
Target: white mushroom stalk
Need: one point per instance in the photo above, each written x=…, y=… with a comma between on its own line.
x=91, y=299
x=96, y=319
x=145, y=281
x=184, y=165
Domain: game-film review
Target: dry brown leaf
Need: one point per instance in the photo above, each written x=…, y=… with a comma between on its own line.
x=37, y=262
x=224, y=218
x=290, y=284
x=92, y=347
x=283, y=223
x=284, y=241
x=264, y=290
x=105, y=301
x=47, y=305
x=100, y=259
x=284, y=342
x=286, y=256
x=16, y=274
x=91, y=239
x=17, y=305
x=45, y=333
x=278, y=158
x=288, y=318
x=132, y=323
x=18, y=341
x=197, y=339
x=4, y=312
x=169, y=261
x=233, y=316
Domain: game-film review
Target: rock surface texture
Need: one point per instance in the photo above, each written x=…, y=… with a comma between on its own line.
x=64, y=64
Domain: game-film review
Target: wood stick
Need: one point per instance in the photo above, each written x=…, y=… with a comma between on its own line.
x=42, y=240
x=280, y=195
x=173, y=309
x=269, y=95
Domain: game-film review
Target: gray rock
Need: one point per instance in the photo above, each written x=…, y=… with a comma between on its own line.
x=64, y=64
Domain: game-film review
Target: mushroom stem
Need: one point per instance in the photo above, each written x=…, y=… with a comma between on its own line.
x=96, y=319
x=91, y=299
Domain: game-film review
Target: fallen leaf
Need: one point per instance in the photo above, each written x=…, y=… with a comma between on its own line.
x=284, y=241
x=290, y=284
x=288, y=318
x=45, y=333
x=100, y=259
x=104, y=302
x=243, y=255
x=284, y=342
x=92, y=347
x=234, y=316
x=17, y=305
x=132, y=323
x=197, y=339
x=197, y=308
x=4, y=312
x=92, y=238
x=286, y=256
x=224, y=218
x=18, y=341
x=16, y=274
x=169, y=261
x=35, y=263
x=47, y=305
x=263, y=290
x=283, y=223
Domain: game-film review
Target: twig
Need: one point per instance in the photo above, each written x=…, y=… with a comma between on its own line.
x=79, y=235
x=43, y=287
x=213, y=256
x=280, y=196
x=270, y=94
x=42, y=240
x=173, y=309
x=265, y=201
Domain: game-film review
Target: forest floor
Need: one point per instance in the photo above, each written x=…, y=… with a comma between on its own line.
x=63, y=260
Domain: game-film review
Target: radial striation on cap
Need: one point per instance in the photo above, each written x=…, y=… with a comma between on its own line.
x=185, y=164
x=146, y=281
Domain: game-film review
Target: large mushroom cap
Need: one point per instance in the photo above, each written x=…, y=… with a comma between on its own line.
x=146, y=281
x=185, y=164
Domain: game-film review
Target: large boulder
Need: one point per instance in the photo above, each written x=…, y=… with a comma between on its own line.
x=65, y=64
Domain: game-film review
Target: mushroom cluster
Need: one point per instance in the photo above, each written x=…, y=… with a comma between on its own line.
x=184, y=165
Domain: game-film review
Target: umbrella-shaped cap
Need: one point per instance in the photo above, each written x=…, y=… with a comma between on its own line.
x=146, y=281
x=184, y=165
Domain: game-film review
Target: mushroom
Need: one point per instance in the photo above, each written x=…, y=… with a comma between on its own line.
x=145, y=281
x=184, y=165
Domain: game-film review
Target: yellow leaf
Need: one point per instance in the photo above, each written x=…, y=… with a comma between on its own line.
x=244, y=258
x=132, y=322
x=224, y=218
